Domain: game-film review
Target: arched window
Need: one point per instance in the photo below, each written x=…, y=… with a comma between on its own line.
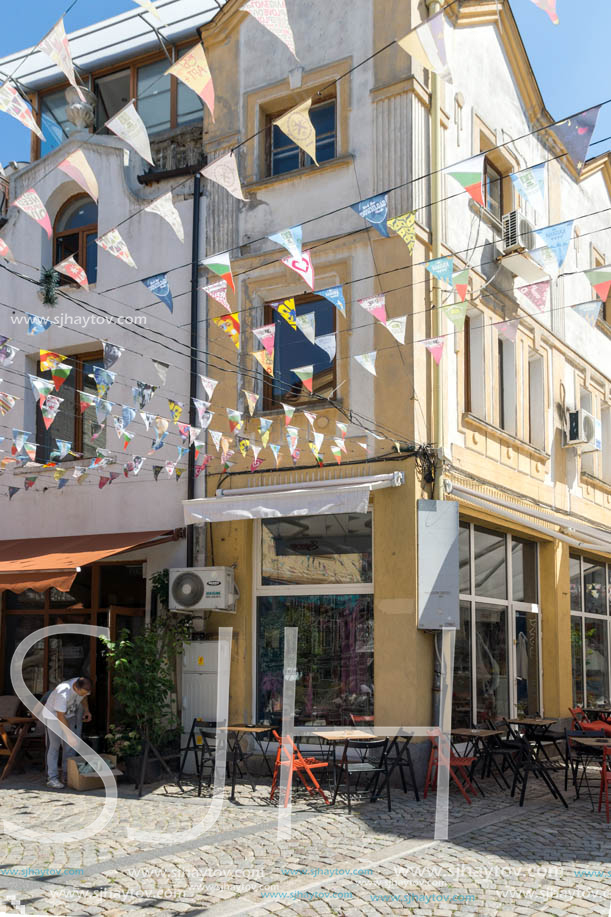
x=76, y=229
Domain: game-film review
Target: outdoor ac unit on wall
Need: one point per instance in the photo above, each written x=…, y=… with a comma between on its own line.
x=583, y=430
x=202, y=589
x=518, y=233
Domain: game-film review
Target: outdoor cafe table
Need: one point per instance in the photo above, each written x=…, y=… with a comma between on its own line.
x=237, y=755
x=13, y=743
x=593, y=742
x=535, y=730
x=478, y=740
x=599, y=713
x=342, y=737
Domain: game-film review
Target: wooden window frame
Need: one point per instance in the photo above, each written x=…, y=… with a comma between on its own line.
x=81, y=231
x=78, y=360
x=272, y=114
x=270, y=316
x=488, y=164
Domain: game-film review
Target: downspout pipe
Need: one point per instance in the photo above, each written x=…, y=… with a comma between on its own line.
x=193, y=354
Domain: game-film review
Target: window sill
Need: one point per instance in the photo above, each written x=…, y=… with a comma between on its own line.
x=486, y=216
x=592, y=481
x=329, y=166
x=471, y=422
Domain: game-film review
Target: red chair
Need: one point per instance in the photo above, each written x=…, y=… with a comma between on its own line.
x=458, y=766
x=288, y=755
x=581, y=721
x=358, y=720
x=605, y=780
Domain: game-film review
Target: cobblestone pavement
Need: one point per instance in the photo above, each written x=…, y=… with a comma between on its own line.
x=499, y=860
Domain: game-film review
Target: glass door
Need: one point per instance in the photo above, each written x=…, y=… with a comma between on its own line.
x=526, y=662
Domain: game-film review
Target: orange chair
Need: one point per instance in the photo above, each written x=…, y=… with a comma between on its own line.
x=288, y=755
x=358, y=720
x=581, y=721
x=605, y=780
x=458, y=766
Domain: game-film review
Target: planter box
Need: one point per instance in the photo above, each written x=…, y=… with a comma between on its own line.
x=82, y=782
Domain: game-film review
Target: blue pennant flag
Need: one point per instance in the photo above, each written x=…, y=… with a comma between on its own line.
x=37, y=324
x=159, y=441
x=158, y=284
x=557, y=238
x=530, y=184
x=127, y=415
x=576, y=133
x=442, y=268
x=374, y=210
x=589, y=311
x=62, y=483
x=335, y=296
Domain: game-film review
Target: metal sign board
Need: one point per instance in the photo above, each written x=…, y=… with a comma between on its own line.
x=438, y=604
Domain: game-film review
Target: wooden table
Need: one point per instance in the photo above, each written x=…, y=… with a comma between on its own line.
x=536, y=728
x=599, y=713
x=593, y=741
x=342, y=735
x=13, y=742
x=240, y=729
x=477, y=733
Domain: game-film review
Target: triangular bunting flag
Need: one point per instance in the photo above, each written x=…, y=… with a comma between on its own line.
x=103, y=380
x=113, y=243
x=36, y=325
x=40, y=387
x=375, y=211
x=202, y=409
x=276, y=450
x=469, y=175
x=71, y=269
x=86, y=400
x=265, y=359
x=530, y=184
x=427, y=43
x=251, y=399
x=292, y=438
x=376, y=306
x=341, y=445
x=55, y=45
x=235, y=420
x=49, y=409
x=396, y=326
x=337, y=452
x=209, y=385
x=78, y=169
x=159, y=286
x=102, y=409
x=305, y=373
x=335, y=296
x=193, y=70
x=435, y=348
x=12, y=103
x=287, y=310
x=147, y=419
x=112, y=353
x=265, y=425
x=129, y=126
x=460, y=282
x=218, y=291
x=549, y=7
x=537, y=292
x=224, y=171
x=442, y=268
x=307, y=325
x=7, y=403
x=142, y=393
x=310, y=418
x=557, y=238
x=221, y=265
x=8, y=353
x=291, y=239
x=405, y=226
x=589, y=311
x=175, y=410
x=302, y=266
x=368, y=361
x=297, y=126
x=456, y=312
x=164, y=207
x=288, y=413
x=216, y=438
x=273, y=16
x=508, y=330
x=161, y=369
x=576, y=132
x=328, y=343
x=32, y=205
x=599, y=277
x=230, y=324
x=59, y=375
x=342, y=428
x=266, y=335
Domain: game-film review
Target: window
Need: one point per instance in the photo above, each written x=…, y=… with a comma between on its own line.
x=588, y=459
x=493, y=190
x=71, y=424
x=315, y=574
x=497, y=656
x=475, y=373
x=113, y=92
x=76, y=229
x=53, y=121
x=598, y=260
x=154, y=91
x=293, y=349
x=507, y=385
x=536, y=400
x=590, y=623
x=285, y=156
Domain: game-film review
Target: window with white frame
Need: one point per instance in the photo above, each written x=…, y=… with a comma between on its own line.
x=315, y=573
x=497, y=652
x=590, y=623
x=475, y=364
x=506, y=366
x=536, y=399
x=588, y=459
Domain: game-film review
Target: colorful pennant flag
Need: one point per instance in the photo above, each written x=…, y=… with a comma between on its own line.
x=29, y=482
x=235, y=420
x=557, y=238
x=600, y=278
x=342, y=428
x=230, y=324
x=302, y=266
x=202, y=412
x=251, y=399
x=311, y=418
x=460, y=282
x=147, y=419
x=341, y=445
x=469, y=175
x=508, y=330
x=216, y=438
x=589, y=311
x=427, y=43
x=530, y=184
x=8, y=353
x=307, y=325
x=456, y=312
x=127, y=414
x=55, y=45
x=175, y=410
x=375, y=211
x=335, y=296
x=103, y=379
x=12, y=103
x=405, y=226
x=537, y=292
x=288, y=413
x=276, y=451
x=218, y=291
x=193, y=70
x=113, y=243
x=291, y=239
x=273, y=16
x=376, y=306
x=337, y=452
x=221, y=265
x=36, y=325
x=32, y=205
x=266, y=335
x=86, y=400
x=442, y=268
x=71, y=269
x=157, y=469
x=49, y=409
x=102, y=409
x=129, y=126
x=112, y=353
x=576, y=132
x=224, y=171
x=7, y=403
x=78, y=169
x=397, y=326
x=287, y=310
x=179, y=472
x=306, y=374
x=6, y=252
x=244, y=445
x=104, y=479
x=164, y=207
x=298, y=127
x=292, y=438
x=142, y=393
x=118, y=425
x=435, y=348
x=549, y=7
x=59, y=374
x=368, y=361
x=328, y=343
x=209, y=385
x=40, y=387
x=159, y=286
x=62, y=483
x=265, y=425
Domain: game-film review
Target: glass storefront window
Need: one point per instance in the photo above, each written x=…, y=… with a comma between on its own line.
x=577, y=659
x=154, y=96
x=79, y=594
x=29, y=598
x=464, y=554
x=189, y=106
x=461, y=699
x=334, y=656
x=597, y=661
x=527, y=663
x=53, y=120
x=68, y=653
x=122, y=585
x=575, y=574
x=490, y=564
x=524, y=570
x=594, y=588
x=491, y=662
x=18, y=627
x=310, y=550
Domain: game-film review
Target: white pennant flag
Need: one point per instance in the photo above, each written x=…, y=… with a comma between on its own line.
x=327, y=342
x=129, y=126
x=396, y=326
x=55, y=45
x=273, y=16
x=224, y=171
x=164, y=206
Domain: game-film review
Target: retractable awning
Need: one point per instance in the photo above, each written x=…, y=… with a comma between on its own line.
x=342, y=495
x=39, y=563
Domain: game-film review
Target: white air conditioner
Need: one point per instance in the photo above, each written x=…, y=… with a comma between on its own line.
x=518, y=233
x=583, y=430
x=202, y=589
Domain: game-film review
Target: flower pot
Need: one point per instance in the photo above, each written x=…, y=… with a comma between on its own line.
x=133, y=768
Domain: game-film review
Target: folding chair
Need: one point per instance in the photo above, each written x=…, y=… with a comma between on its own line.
x=578, y=755
x=202, y=745
x=458, y=766
x=288, y=755
x=605, y=780
x=530, y=762
x=365, y=765
x=399, y=756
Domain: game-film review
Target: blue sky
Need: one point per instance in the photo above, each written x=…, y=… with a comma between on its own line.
x=569, y=60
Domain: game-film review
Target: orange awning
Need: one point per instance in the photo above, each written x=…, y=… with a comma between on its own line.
x=39, y=563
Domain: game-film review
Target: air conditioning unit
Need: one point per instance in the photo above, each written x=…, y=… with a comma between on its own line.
x=518, y=233
x=583, y=430
x=202, y=589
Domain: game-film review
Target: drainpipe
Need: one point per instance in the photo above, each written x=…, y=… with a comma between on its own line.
x=193, y=358
x=436, y=217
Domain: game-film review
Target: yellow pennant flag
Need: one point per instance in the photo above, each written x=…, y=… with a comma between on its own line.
x=296, y=124
x=231, y=325
x=405, y=226
x=266, y=359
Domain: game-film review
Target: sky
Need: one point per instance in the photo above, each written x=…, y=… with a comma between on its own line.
x=570, y=60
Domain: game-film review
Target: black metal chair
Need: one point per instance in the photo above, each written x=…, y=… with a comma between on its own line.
x=398, y=755
x=365, y=765
x=202, y=745
x=530, y=763
x=577, y=756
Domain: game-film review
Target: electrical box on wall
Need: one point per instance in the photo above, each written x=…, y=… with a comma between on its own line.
x=438, y=604
x=202, y=589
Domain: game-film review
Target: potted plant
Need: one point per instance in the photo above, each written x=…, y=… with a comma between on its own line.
x=144, y=691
